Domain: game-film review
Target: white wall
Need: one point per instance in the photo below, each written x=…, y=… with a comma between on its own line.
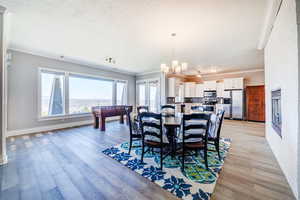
x=23, y=90
x=281, y=71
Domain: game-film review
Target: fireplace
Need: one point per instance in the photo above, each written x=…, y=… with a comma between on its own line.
x=276, y=111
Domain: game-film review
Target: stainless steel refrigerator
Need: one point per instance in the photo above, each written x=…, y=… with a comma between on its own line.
x=234, y=110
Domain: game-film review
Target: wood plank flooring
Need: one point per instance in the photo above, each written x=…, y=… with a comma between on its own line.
x=68, y=164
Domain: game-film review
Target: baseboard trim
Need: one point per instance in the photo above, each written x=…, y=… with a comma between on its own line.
x=47, y=128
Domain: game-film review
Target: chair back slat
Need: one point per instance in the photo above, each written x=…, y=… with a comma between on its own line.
x=196, y=116
x=150, y=133
x=196, y=126
x=167, y=107
x=151, y=124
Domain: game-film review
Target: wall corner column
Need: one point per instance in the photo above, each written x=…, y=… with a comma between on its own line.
x=3, y=127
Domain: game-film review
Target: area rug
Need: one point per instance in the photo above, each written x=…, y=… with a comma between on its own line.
x=195, y=183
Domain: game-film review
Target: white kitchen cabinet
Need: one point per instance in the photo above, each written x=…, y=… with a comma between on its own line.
x=189, y=89
x=233, y=83
x=210, y=85
x=173, y=87
x=220, y=89
x=199, y=90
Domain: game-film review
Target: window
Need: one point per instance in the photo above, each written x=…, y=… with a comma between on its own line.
x=85, y=92
x=142, y=94
x=52, y=94
x=64, y=93
x=153, y=96
x=148, y=94
x=121, y=93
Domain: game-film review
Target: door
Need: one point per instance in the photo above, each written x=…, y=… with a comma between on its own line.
x=237, y=104
x=255, y=100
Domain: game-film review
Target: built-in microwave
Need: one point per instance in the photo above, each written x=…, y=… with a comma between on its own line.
x=210, y=93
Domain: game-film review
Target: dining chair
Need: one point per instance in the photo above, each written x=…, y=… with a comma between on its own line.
x=152, y=134
x=195, y=135
x=134, y=132
x=141, y=109
x=169, y=109
x=197, y=108
x=215, y=130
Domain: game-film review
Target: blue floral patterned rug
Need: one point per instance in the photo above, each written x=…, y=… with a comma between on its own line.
x=196, y=183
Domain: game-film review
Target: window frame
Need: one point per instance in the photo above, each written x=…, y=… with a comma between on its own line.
x=66, y=96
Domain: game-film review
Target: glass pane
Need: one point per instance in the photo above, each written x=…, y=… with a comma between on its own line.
x=153, y=97
x=85, y=93
x=142, y=94
x=52, y=94
x=121, y=93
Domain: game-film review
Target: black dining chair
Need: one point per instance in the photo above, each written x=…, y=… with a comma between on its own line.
x=141, y=109
x=215, y=130
x=169, y=108
x=152, y=134
x=195, y=135
x=197, y=108
x=134, y=132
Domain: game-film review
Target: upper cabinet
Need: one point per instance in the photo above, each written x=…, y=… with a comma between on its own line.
x=233, y=83
x=210, y=85
x=189, y=89
x=199, y=90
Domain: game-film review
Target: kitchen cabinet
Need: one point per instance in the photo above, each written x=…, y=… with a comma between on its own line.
x=210, y=85
x=233, y=83
x=220, y=89
x=199, y=90
x=189, y=89
x=173, y=87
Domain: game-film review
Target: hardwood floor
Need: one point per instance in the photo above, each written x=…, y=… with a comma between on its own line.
x=68, y=164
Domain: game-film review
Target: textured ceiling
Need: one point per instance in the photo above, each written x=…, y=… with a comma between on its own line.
x=136, y=33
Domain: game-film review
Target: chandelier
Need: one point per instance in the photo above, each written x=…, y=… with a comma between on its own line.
x=176, y=67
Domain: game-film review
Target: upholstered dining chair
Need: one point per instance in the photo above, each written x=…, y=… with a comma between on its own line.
x=152, y=134
x=135, y=133
x=195, y=135
x=215, y=130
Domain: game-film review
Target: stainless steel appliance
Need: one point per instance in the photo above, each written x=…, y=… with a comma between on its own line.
x=210, y=94
x=234, y=104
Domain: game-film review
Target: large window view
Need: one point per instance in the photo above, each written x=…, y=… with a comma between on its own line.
x=82, y=99
x=52, y=94
x=82, y=92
